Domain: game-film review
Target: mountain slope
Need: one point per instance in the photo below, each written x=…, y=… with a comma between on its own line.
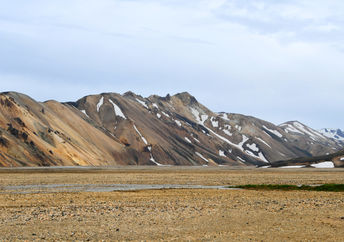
x=51, y=133
x=180, y=128
x=114, y=129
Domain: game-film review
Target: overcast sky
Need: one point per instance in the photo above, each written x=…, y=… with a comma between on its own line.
x=276, y=60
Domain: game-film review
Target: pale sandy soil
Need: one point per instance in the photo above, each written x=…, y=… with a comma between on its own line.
x=184, y=214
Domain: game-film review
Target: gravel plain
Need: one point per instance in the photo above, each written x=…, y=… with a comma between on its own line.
x=172, y=214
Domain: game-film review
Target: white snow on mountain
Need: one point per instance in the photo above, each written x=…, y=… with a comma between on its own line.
x=142, y=103
x=165, y=114
x=84, y=112
x=288, y=128
x=225, y=117
x=261, y=140
x=214, y=122
x=252, y=147
x=117, y=109
x=298, y=128
x=222, y=153
x=100, y=103
x=275, y=132
x=178, y=123
x=326, y=164
x=143, y=138
x=336, y=134
x=196, y=114
x=188, y=140
x=307, y=130
x=202, y=157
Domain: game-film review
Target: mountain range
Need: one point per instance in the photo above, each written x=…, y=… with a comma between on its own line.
x=113, y=129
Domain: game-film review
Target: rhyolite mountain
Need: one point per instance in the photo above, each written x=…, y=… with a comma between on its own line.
x=112, y=129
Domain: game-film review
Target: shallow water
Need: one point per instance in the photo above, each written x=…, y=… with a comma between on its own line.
x=53, y=188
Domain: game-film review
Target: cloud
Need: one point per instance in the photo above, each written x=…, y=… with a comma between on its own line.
x=278, y=60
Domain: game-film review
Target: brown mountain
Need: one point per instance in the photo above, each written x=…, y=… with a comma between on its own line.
x=113, y=129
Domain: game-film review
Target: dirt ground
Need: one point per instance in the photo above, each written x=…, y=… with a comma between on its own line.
x=180, y=214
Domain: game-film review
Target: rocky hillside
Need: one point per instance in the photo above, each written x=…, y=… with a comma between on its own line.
x=114, y=129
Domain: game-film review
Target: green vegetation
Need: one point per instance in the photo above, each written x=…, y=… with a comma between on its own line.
x=324, y=187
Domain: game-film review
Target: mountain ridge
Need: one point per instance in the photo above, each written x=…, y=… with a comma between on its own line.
x=128, y=129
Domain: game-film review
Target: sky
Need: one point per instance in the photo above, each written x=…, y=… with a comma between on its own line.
x=277, y=60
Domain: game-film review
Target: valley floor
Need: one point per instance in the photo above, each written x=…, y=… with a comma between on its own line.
x=176, y=214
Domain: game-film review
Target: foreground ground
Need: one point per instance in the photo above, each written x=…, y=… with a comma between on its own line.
x=184, y=214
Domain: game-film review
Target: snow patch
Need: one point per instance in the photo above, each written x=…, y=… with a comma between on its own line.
x=158, y=115
x=143, y=138
x=336, y=134
x=178, y=123
x=326, y=164
x=214, y=122
x=149, y=147
x=282, y=154
x=342, y=158
x=241, y=144
x=227, y=132
x=238, y=146
x=259, y=156
x=204, y=118
x=312, y=133
x=291, y=129
x=196, y=114
x=155, y=105
x=238, y=127
x=262, y=157
x=222, y=153
x=165, y=114
x=117, y=110
x=153, y=160
x=292, y=166
x=241, y=159
x=142, y=103
x=225, y=117
x=187, y=139
x=100, y=103
x=84, y=112
x=275, y=132
x=252, y=147
x=264, y=167
x=201, y=156
x=261, y=140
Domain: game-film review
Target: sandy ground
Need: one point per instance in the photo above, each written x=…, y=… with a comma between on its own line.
x=180, y=214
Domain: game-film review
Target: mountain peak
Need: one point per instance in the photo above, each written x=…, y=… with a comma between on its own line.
x=336, y=134
x=186, y=98
x=129, y=94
